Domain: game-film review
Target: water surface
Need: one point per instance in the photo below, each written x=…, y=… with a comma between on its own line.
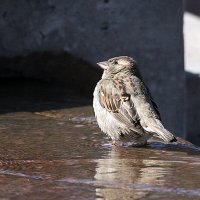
x=52, y=149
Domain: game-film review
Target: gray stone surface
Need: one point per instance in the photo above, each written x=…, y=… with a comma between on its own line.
x=192, y=67
x=193, y=107
x=148, y=30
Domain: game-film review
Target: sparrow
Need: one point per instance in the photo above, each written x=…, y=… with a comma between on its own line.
x=124, y=107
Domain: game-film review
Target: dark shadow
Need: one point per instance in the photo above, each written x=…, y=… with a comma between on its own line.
x=189, y=149
x=35, y=96
x=186, y=148
x=193, y=107
x=45, y=81
x=181, y=146
x=192, y=6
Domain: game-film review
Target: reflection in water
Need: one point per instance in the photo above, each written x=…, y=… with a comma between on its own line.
x=127, y=178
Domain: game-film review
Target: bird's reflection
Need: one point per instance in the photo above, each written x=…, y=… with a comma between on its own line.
x=128, y=176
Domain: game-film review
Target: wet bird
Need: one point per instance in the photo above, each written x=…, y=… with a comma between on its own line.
x=124, y=107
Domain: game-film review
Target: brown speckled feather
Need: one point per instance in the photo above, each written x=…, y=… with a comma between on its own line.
x=115, y=99
x=109, y=96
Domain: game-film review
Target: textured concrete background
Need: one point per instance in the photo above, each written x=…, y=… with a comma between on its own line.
x=148, y=30
x=192, y=67
x=193, y=107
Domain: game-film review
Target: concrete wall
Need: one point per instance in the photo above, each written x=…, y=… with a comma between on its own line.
x=192, y=68
x=148, y=30
x=193, y=107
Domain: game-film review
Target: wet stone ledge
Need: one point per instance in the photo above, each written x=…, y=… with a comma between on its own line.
x=51, y=148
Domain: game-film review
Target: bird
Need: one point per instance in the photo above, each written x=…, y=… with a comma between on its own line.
x=124, y=107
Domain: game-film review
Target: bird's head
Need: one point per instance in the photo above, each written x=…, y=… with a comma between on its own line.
x=119, y=64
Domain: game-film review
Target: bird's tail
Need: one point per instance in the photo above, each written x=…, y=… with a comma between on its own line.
x=165, y=135
x=156, y=127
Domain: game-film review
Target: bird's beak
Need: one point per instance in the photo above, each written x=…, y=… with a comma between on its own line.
x=103, y=65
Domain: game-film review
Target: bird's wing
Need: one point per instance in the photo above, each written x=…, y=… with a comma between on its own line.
x=109, y=96
x=152, y=101
x=120, y=105
x=148, y=113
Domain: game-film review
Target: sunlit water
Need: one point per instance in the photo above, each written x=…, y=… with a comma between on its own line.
x=61, y=154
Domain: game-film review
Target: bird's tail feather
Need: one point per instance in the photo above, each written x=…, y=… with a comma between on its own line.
x=165, y=134
x=156, y=127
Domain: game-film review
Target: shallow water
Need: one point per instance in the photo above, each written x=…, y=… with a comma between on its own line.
x=59, y=153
